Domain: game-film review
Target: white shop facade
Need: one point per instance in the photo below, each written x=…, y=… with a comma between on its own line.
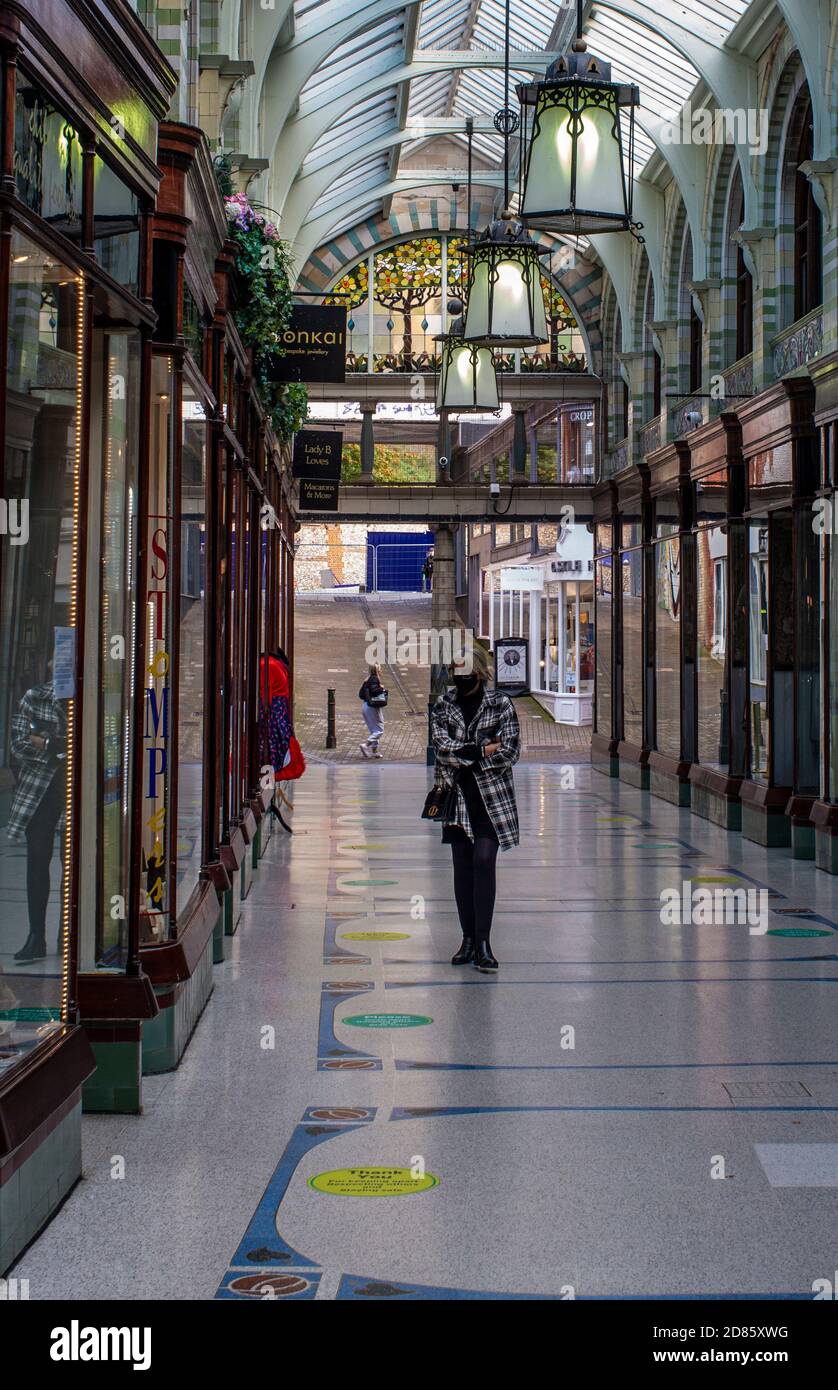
x=549, y=601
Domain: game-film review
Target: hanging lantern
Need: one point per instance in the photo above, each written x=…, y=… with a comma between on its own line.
x=505, y=298
x=467, y=377
x=579, y=168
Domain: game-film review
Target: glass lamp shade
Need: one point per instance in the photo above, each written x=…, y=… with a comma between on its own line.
x=578, y=174
x=467, y=377
x=505, y=298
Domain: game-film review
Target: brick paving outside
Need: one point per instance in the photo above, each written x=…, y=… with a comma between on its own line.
x=330, y=640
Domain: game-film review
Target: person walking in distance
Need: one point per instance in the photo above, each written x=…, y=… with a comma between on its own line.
x=477, y=741
x=373, y=697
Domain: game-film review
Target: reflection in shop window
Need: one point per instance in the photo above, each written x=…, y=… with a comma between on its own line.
x=758, y=649
x=38, y=617
x=191, y=656
x=604, y=628
x=114, y=480
x=632, y=571
x=155, y=893
x=712, y=599
x=668, y=645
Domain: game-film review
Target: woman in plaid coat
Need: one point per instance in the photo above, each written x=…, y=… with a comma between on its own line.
x=477, y=741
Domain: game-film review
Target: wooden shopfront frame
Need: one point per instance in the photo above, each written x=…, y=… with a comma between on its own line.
x=670, y=495
x=717, y=470
x=70, y=51
x=779, y=448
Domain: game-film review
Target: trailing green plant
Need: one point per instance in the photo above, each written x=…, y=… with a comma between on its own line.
x=263, y=267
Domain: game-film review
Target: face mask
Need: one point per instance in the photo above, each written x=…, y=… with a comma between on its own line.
x=466, y=685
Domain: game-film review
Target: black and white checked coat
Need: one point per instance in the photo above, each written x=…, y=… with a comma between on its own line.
x=495, y=721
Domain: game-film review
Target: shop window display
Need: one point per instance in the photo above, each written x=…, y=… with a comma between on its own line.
x=758, y=646
x=39, y=621
x=192, y=655
x=604, y=570
x=156, y=896
x=668, y=645
x=113, y=477
x=712, y=647
x=632, y=596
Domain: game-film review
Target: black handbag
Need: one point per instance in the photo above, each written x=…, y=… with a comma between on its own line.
x=441, y=803
x=379, y=699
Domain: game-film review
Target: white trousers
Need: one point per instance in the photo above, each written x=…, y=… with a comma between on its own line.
x=374, y=720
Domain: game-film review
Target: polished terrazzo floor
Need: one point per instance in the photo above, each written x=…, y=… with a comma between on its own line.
x=556, y=1131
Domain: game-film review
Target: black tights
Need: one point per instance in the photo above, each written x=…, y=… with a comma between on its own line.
x=474, y=884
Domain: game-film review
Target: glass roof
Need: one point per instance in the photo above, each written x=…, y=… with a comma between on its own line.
x=637, y=53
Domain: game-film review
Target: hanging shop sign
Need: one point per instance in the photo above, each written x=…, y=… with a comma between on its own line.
x=317, y=453
x=319, y=494
x=313, y=345
x=527, y=577
x=512, y=665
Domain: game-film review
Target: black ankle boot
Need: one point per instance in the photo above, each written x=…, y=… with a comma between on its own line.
x=484, y=959
x=35, y=948
x=465, y=955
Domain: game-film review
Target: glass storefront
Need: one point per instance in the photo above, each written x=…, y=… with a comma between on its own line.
x=668, y=644
x=631, y=564
x=192, y=655
x=156, y=893
x=567, y=656
x=758, y=645
x=832, y=658
x=39, y=624
x=604, y=610
x=113, y=490
x=712, y=641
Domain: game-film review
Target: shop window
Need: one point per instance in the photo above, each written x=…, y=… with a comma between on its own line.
x=47, y=160
x=39, y=605
x=116, y=226
x=808, y=230
x=604, y=629
x=193, y=327
x=712, y=561
x=577, y=446
x=668, y=645
x=192, y=651
x=758, y=642
x=114, y=444
x=833, y=676
x=156, y=888
x=632, y=582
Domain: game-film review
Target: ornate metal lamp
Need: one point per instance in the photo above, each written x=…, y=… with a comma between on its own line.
x=505, y=298
x=579, y=169
x=467, y=376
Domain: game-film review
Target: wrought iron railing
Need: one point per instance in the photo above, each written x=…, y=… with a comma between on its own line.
x=411, y=362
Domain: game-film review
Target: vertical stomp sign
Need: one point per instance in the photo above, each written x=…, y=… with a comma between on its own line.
x=156, y=732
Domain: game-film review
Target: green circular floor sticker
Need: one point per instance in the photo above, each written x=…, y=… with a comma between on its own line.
x=375, y=936
x=387, y=1020
x=799, y=931
x=372, y=1182
x=365, y=882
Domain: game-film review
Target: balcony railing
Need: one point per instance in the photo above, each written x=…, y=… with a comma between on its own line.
x=411, y=362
